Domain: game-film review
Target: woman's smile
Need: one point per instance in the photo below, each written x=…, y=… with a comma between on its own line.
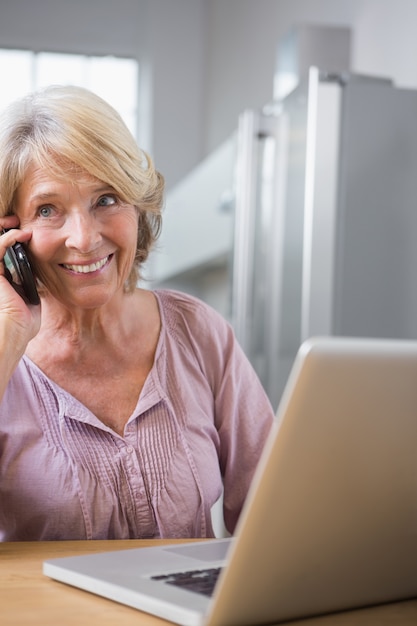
x=87, y=268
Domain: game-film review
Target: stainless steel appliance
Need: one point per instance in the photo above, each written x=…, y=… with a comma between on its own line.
x=325, y=219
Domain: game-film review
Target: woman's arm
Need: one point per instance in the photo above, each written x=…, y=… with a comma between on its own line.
x=243, y=415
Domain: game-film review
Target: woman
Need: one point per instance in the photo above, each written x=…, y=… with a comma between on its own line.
x=125, y=412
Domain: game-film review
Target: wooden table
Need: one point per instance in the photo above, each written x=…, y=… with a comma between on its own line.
x=27, y=597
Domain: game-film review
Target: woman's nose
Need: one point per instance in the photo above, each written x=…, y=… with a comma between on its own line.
x=84, y=233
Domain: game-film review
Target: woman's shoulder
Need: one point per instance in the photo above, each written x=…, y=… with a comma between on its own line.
x=185, y=314
x=20, y=389
x=178, y=304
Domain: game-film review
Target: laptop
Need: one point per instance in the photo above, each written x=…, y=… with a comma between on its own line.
x=330, y=522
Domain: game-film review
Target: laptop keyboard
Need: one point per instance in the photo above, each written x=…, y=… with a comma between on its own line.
x=200, y=581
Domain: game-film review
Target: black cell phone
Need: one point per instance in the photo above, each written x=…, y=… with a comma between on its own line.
x=19, y=273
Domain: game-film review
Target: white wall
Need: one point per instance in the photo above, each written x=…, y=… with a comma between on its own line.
x=176, y=48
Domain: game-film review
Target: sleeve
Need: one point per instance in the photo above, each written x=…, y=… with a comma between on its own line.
x=243, y=414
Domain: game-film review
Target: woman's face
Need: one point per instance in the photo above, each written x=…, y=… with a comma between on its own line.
x=83, y=237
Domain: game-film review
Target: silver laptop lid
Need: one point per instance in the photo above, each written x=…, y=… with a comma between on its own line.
x=331, y=521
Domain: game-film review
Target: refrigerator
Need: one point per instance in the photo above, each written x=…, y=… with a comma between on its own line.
x=325, y=219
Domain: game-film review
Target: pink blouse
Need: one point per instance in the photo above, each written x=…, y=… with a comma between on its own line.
x=199, y=426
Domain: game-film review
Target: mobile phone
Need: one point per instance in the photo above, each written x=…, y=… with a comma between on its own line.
x=19, y=273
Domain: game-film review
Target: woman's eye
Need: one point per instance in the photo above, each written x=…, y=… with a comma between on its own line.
x=45, y=211
x=106, y=201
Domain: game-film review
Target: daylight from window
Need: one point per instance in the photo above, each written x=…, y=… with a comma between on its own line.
x=113, y=78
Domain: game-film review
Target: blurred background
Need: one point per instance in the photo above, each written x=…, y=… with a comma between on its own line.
x=287, y=134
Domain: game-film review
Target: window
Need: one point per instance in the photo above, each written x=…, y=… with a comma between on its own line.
x=113, y=78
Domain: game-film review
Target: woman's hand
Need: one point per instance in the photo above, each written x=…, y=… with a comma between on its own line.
x=19, y=322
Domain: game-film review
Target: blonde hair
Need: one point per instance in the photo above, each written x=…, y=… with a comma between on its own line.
x=64, y=128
